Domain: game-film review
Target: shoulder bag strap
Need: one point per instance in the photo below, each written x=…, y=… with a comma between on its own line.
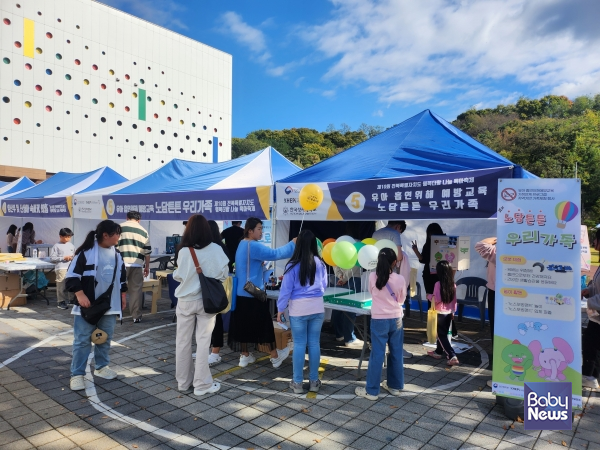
x=387, y=285
x=248, y=264
x=194, y=257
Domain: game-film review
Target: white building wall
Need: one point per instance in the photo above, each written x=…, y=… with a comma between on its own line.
x=61, y=133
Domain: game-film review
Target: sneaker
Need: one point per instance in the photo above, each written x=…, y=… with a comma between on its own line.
x=362, y=392
x=392, y=391
x=187, y=390
x=245, y=360
x=62, y=305
x=213, y=359
x=453, y=361
x=406, y=354
x=589, y=382
x=340, y=339
x=356, y=343
x=77, y=383
x=315, y=385
x=281, y=356
x=106, y=372
x=211, y=390
x=296, y=387
x=434, y=355
x=137, y=320
x=489, y=383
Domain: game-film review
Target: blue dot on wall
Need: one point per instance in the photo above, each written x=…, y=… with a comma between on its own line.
x=48, y=72
x=17, y=83
x=77, y=96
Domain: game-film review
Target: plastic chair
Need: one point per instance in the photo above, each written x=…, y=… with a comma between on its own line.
x=472, y=297
x=172, y=286
x=418, y=297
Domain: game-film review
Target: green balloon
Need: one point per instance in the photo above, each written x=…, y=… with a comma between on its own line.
x=344, y=255
x=358, y=245
x=319, y=247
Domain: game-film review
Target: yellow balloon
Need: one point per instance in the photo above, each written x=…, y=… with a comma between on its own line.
x=311, y=196
x=327, y=254
x=369, y=241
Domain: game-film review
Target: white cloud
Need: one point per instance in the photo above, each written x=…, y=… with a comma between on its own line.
x=251, y=37
x=159, y=12
x=330, y=93
x=378, y=113
x=412, y=52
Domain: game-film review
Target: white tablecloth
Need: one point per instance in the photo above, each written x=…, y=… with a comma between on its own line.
x=28, y=264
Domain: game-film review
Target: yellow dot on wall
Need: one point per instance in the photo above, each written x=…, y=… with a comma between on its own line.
x=86, y=82
x=134, y=95
x=162, y=102
x=181, y=122
x=27, y=104
x=38, y=51
x=111, y=104
x=112, y=72
x=27, y=142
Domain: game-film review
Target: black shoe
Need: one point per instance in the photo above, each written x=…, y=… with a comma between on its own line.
x=137, y=320
x=62, y=305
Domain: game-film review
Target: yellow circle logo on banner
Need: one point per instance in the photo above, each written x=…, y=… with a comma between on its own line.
x=311, y=196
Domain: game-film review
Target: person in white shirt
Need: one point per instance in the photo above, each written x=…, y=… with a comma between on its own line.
x=392, y=231
x=62, y=254
x=213, y=263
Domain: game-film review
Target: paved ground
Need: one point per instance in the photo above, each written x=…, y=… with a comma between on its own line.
x=441, y=407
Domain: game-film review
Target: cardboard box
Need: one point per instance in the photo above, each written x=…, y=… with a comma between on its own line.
x=282, y=338
x=454, y=249
x=7, y=296
x=10, y=281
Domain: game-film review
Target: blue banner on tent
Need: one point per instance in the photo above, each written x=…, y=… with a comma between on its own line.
x=229, y=204
x=36, y=207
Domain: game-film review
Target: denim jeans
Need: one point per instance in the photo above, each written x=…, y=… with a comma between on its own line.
x=306, y=330
x=82, y=343
x=343, y=322
x=384, y=331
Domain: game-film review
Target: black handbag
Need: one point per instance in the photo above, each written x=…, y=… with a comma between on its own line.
x=250, y=287
x=214, y=297
x=101, y=304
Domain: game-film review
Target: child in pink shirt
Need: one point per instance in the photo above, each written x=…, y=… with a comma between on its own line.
x=444, y=296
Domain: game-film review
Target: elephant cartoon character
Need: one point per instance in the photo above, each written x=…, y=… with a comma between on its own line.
x=551, y=362
x=519, y=359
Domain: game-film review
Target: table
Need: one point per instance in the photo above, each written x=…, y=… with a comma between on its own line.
x=154, y=287
x=39, y=247
x=24, y=266
x=160, y=274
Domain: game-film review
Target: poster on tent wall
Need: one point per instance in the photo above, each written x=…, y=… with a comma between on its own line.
x=232, y=204
x=267, y=238
x=455, y=195
x=48, y=208
x=537, y=332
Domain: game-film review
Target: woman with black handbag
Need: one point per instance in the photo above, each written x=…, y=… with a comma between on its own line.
x=97, y=277
x=197, y=254
x=251, y=322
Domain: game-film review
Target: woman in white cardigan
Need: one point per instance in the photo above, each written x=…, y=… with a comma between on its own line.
x=213, y=263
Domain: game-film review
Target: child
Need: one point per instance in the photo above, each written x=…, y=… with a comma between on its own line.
x=388, y=291
x=61, y=255
x=444, y=296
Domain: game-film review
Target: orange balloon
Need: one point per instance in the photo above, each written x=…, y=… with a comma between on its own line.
x=327, y=241
x=327, y=254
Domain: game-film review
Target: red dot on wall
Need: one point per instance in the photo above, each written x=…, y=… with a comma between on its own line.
x=155, y=116
x=215, y=130
x=95, y=67
x=119, y=90
x=16, y=121
x=17, y=44
x=28, y=66
x=127, y=108
x=77, y=62
x=49, y=35
x=220, y=144
x=148, y=129
x=48, y=108
x=6, y=21
x=126, y=77
x=38, y=87
x=103, y=86
x=58, y=92
x=168, y=119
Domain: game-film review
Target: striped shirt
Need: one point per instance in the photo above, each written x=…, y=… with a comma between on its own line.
x=134, y=244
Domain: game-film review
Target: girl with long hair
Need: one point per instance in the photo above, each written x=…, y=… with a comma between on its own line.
x=96, y=268
x=444, y=296
x=429, y=279
x=10, y=237
x=302, y=288
x=251, y=322
x=388, y=291
x=212, y=262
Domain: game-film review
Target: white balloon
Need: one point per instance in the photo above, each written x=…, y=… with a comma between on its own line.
x=346, y=238
x=367, y=257
x=386, y=243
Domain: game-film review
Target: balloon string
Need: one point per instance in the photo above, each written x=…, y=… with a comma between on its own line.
x=301, y=223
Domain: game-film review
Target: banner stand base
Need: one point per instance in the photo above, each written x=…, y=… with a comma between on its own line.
x=513, y=407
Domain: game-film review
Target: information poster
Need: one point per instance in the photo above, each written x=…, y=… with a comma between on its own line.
x=538, y=311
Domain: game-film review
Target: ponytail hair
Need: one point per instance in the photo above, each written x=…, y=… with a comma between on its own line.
x=446, y=276
x=106, y=226
x=385, y=260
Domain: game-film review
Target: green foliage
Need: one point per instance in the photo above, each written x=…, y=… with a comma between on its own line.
x=547, y=136
x=304, y=146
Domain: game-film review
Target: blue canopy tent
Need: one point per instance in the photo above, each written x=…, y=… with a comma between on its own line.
x=7, y=189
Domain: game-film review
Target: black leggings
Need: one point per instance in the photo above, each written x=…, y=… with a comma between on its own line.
x=444, y=321
x=216, y=340
x=591, y=350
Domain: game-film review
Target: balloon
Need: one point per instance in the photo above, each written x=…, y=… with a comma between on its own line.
x=369, y=241
x=565, y=212
x=367, y=257
x=358, y=246
x=346, y=238
x=327, y=241
x=344, y=255
x=311, y=196
x=319, y=247
x=386, y=243
x=327, y=254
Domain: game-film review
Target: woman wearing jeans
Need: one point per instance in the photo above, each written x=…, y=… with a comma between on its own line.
x=302, y=288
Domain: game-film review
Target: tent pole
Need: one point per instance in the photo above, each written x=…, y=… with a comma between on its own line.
x=274, y=237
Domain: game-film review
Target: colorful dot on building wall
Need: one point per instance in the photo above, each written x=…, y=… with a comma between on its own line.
x=17, y=44
x=38, y=87
x=67, y=76
x=38, y=51
x=77, y=62
x=134, y=95
x=6, y=21
x=28, y=66
x=126, y=77
x=86, y=82
x=95, y=67
x=6, y=60
x=17, y=121
x=119, y=90
x=148, y=129
x=103, y=86
x=127, y=108
x=181, y=122
x=162, y=102
x=168, y=119
x=77, y=96
x=27, y=104
x=58, y=56
x=48, y=108
x=6, y=99
x=156, y=116
x=112, y=72
x=49, y=35
x=94, y=101
x=111, y=105
x=48, y=72
x=58, y=92
x=28, y=141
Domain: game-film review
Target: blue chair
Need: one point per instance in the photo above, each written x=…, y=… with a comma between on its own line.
x=172, y=286
x=472, y=297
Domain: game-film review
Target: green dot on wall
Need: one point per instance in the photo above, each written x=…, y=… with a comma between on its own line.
x=68, y=77
x=94, y=101
x=6, y=60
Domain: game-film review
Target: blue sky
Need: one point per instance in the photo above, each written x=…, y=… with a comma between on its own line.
x=313, y=63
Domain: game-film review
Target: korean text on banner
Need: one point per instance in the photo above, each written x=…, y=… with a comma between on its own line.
x=538, y=305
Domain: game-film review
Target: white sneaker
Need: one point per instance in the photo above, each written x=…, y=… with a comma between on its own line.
x=211, y=390
x=362, y=392
x=77, y=383
x=587, y=381
x=396, y=392
x=193, y=356
x=356, y=343
x=106, y=372
x=213, y=358
x=245, y=360
x=281, y=356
